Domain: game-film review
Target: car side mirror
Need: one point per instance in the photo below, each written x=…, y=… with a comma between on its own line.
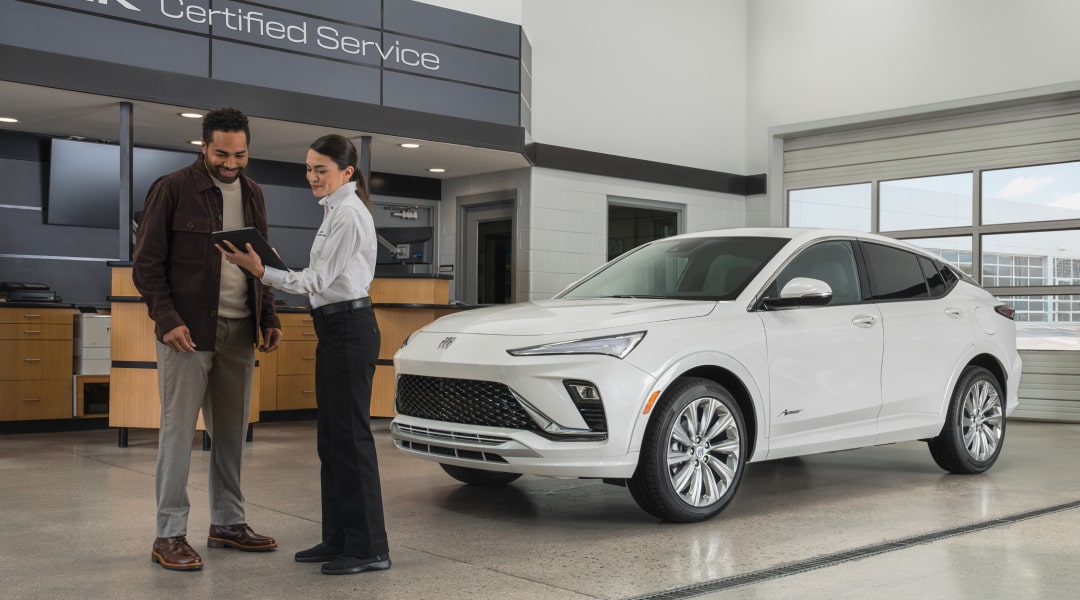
x=800, y=291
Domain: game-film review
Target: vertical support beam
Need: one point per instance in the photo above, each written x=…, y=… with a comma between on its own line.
x=127, y=130
x=365, y=158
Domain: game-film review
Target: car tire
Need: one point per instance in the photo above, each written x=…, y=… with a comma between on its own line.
x=479, y=476
x=693, y=453
x=974, y=429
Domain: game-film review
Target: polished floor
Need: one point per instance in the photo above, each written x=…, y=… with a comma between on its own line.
x=77, y=521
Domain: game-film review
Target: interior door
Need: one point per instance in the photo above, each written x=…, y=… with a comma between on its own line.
x=489, y=254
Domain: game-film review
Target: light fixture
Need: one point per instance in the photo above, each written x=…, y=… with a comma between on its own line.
x=196, y=142
x=191, y=115
x=409, y=145
x=8, y=120
x=436, y=170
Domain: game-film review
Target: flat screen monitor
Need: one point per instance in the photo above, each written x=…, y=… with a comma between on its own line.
x=84, y=180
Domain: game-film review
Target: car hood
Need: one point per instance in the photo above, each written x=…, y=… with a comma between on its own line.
x=568, y=316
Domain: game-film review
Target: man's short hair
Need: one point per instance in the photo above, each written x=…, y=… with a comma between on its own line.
x=224, y=119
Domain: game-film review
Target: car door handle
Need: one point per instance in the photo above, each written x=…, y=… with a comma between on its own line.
x=954, y=312
x=864, y=321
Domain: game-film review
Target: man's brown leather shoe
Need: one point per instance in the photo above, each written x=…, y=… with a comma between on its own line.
x=239, y=536
x=175, y=554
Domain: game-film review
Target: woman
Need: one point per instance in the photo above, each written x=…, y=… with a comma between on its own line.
x=342, y=266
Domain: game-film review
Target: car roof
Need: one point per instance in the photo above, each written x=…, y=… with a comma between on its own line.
x=802, y=235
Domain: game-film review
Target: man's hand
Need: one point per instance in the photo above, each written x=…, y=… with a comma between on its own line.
x=271, y=340
x=179, y=339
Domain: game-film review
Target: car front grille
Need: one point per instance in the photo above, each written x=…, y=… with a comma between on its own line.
x=466, y=401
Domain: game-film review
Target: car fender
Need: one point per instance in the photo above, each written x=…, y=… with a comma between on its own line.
x=754, y=386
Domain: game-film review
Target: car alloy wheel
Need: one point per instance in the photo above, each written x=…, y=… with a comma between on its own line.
x=982, y=420
x=974, y=430
x=693, y=454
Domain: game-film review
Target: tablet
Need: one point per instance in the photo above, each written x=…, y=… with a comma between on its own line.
x=250, y=235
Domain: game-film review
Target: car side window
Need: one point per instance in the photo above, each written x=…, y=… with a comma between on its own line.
x=895, y=274
x=934, y=279
x=832, y=262
x=949, y=275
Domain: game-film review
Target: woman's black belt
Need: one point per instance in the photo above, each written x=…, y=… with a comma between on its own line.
x=345, y=305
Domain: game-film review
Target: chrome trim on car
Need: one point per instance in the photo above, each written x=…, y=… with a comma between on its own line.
x=456, y=440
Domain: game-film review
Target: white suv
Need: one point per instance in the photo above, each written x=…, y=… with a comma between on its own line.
x=672, y=366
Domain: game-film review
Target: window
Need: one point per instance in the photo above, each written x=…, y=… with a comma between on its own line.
x=832, y=262
x=1025, y=194
x=843, y=206
x=933, y=278
x=1029, y=259
x=926, y=202
x=894, y=274
x=954, y=250
x=632, y=226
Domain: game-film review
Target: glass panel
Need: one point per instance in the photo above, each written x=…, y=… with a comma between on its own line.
x=954, y=250
x=1037, y=258
x=832, y=262
x=894, y=274
x=1050, y=322
x=630, y=227
x=926, y=202
x=697, y=268
x=1042, y=193
x=841, y=206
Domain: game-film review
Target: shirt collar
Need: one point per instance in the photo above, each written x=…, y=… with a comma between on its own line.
x=339, y=195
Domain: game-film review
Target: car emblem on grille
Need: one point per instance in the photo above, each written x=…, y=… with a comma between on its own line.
x=445, y=343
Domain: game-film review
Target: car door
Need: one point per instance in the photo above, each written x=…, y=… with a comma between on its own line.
x=927, y=331
x=824, y=361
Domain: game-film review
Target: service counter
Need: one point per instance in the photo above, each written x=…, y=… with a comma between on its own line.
x=285, y=379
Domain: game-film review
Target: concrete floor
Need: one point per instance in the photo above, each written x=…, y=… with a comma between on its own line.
x=77, y=521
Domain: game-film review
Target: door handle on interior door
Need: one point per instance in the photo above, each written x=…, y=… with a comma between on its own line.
x=954, y=312
x=864, y=320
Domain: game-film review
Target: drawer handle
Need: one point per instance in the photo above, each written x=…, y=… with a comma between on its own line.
x=30, y=316
x=33, y=360
x=309, y=333
x=32, y=400
x=309, y=391
x=307, y=320
x=31, y=331
x=309, y=358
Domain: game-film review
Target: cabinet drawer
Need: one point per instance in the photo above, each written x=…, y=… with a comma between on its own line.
x=27, y=359
x=295, y=391
x=59, y=316
x=35, y=331
x=27, y=400
x=296, y=320
x=298, y=334
x=296, y=358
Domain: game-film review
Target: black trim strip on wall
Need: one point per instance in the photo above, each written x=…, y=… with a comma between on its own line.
x=621, y=167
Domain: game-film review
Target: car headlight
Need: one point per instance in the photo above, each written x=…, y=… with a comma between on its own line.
x=615, y=345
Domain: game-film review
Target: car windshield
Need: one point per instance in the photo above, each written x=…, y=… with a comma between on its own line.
x=699, y=268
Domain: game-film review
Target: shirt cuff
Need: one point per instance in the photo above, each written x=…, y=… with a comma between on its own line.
x=273, y=277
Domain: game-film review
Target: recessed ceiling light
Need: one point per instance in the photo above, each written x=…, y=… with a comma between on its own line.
x=8, y=120
x=410, y=145
x=191, y=115
x=196, y=142
x=436, y=170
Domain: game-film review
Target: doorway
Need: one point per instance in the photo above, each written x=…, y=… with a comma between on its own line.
x=488, y=277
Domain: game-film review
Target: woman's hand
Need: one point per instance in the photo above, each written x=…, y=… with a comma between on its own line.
x=245, y=259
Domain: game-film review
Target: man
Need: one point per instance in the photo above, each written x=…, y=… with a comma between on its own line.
x=207, y=317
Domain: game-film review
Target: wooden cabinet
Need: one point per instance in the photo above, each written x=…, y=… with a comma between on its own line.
x=35, y=363
x=295, y=363
x=134, y=399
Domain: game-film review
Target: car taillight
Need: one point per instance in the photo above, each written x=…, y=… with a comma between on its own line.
x=1006, y=311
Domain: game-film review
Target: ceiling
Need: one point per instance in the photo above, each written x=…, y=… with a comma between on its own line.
x=65, y=113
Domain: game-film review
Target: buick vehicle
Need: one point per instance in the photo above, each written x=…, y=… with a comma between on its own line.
x=671, y=367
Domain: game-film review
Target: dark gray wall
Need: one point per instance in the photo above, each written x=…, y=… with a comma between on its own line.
x=379, y=52
x=72, y=259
